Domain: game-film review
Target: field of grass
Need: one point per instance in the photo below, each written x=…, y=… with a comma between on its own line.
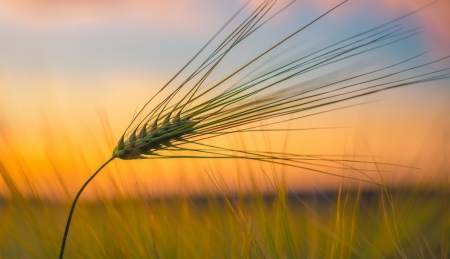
x=349, y=223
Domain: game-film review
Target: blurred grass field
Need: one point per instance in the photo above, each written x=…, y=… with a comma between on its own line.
x=269, y=217
x=350, y=223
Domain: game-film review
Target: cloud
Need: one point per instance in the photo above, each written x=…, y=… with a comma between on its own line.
x=435, y=18
x=177, y=14
x=61, y=15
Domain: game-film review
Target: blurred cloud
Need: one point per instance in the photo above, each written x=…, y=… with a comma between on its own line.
x=435, y=18
x=57, y=15
x=176, y=16
x=54, y=13
x=93, y=37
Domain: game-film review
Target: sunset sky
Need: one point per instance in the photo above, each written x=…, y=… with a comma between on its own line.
x=72, y=73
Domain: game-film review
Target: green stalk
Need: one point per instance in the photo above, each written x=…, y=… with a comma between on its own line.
x=66, y=232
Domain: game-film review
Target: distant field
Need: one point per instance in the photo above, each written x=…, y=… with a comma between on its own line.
x=370, y=224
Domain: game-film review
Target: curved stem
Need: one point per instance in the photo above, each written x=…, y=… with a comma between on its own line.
x=66, y=232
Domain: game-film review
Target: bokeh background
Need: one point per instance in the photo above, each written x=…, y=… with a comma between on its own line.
x=72, y=73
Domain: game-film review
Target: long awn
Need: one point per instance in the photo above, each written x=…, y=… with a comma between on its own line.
x=183, y=120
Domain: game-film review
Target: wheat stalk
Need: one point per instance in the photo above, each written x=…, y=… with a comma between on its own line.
x=182, y=125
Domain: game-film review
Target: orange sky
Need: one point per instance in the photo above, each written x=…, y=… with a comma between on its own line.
x=57, y=125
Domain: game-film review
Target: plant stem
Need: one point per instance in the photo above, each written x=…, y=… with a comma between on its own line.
x=66, y=232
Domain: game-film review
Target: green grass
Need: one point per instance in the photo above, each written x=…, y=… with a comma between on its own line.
x=350, y=223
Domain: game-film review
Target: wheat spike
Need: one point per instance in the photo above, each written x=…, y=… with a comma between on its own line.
x=180, y=122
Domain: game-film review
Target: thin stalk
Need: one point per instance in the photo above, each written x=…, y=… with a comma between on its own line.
x=66, y=232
